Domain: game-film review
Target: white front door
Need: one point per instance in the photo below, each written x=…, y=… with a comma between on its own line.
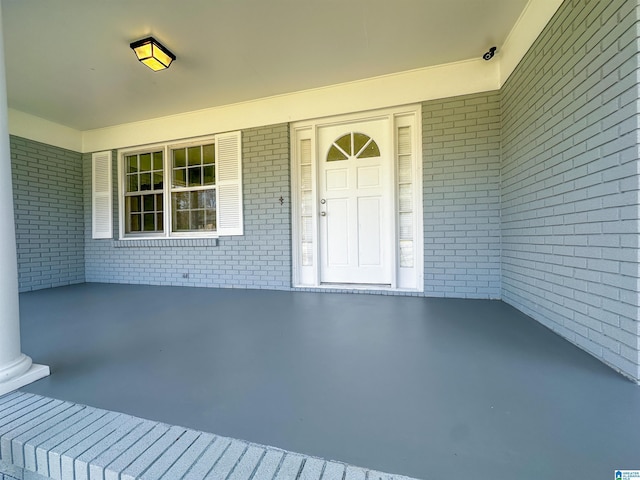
x=356, y=238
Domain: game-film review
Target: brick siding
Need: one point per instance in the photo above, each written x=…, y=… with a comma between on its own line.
x=47, y=196
x=570, y=180
x=461, y=174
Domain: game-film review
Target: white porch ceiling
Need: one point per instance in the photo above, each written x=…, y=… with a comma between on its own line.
x=69, y=61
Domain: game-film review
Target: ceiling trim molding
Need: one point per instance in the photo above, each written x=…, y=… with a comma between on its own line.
x=532, y=21
x=40, y=130
x=442, y=81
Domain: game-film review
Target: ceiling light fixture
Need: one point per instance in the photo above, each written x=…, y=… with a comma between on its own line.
x=153, y=54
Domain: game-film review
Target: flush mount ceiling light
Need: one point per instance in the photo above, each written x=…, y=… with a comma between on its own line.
x=152, y=53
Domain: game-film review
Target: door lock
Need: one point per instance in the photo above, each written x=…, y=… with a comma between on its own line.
x=323, y=201
x=323, y=214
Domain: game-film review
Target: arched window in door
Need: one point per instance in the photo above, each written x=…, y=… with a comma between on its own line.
x=353, y=145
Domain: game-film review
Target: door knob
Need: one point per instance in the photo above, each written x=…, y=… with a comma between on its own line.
x=323, y=201
x=323, y=214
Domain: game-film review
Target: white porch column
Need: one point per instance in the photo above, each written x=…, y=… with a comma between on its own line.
x=16, y=369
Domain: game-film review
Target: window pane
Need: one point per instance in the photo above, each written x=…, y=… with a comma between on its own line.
x=209, y=175
x=209, y=199
x=404, y=169
x=307, y=254
x=148, y=203
x=134, y=203
x=157, y=181
x=145, y=162
x=135, y=223
x=181, y=221
x=197, y=220
x=359, y=141
x=406, y=253
x=157, y=161
x=305, y=176
x=208, y=152
x=149, y=222
x=159, y=206
x=370, y=151
x=132, y=184
x=180, y=178
x=159, y=221
x=344, y=143
x=306, y=203
x=335, y=154
x=132, y=164
x=404, y=140
x=405, y=198
x=179, y=158
x=197, y=200
x=210, y=219
x=145, y=181
x=194, y=156
x=307, y=229
x=195, y=177
x=406, y=226
x=181, y=201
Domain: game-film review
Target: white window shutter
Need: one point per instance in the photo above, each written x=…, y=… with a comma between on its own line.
x=101, y=196
x=229, y=183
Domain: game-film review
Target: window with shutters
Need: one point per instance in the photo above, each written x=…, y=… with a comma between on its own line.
x=187, y=190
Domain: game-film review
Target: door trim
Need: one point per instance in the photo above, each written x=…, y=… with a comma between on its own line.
x=305, y=190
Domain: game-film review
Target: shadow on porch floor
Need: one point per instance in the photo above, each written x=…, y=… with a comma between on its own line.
x=420, y=387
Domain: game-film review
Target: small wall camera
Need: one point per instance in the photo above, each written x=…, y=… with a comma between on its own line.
x=489, y=55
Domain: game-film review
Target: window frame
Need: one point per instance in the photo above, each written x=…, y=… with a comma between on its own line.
x=199, y=142
x=153, y=192
x=167, y=190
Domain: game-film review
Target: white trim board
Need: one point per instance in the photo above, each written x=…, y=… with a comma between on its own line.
x=40, y=130
x=472, y=76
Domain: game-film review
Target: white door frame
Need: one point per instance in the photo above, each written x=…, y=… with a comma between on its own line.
x=407, y=266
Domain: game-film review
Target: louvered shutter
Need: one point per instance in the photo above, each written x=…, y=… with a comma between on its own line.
x=229, y=183
x=101, y=196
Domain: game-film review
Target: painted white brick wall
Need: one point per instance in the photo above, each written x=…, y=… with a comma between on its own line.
x=570, y=177
x=261, y=258
x=47, y=196
x=461, y=170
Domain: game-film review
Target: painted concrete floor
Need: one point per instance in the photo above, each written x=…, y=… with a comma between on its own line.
x=429, y=388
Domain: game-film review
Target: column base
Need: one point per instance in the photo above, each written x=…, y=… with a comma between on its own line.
x=36, y=372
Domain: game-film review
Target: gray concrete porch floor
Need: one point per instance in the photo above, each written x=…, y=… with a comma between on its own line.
x=429, y=388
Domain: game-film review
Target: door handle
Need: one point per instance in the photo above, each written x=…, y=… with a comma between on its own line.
x=323, y=214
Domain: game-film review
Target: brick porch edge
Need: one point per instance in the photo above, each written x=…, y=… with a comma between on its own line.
x=44, y=438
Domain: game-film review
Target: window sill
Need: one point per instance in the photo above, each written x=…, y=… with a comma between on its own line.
x=165, y=242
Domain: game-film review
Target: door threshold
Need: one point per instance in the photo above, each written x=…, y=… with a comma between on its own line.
x=357, y=286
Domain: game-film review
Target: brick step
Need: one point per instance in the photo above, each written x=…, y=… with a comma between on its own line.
x=45, y=438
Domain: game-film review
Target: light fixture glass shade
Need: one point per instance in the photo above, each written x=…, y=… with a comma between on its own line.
x=151, y=52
